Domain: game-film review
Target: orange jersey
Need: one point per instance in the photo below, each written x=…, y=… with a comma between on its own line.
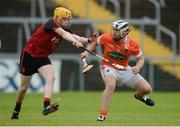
x=118, y=52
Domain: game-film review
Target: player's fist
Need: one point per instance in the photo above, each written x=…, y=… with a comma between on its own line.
x=78, y=44
x=135, y=69
x=93, y=37
x=84, y=55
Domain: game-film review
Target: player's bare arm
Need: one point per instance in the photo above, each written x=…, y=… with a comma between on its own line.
x=139, y=64
x=68, y=36
x=80, y=39
x=84, y=40
x=92, y=46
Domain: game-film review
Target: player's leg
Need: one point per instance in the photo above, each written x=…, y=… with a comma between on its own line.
x=143, y=88
x=110, y=85
x=140, y=84
x=47, y=72
x=25, y=81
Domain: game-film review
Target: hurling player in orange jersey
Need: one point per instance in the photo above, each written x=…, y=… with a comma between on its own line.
x=34, y=57
x=118, y=47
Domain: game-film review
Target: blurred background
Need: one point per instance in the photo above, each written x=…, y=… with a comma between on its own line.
x=155, y=23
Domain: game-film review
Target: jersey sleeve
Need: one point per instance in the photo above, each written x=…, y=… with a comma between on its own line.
x=102, y=39
x=136, y=50
x=50, y=26
x=68, y=30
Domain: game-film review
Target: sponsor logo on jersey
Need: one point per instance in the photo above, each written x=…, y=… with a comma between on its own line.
x=117, y=56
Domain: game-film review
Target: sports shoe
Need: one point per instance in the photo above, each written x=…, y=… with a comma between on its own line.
x=15, y=115
x=148, y=101
x=101, y=118
x=50, y=109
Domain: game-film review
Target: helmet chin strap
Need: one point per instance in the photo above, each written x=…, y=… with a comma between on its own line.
x=121, y=37
x=117, y=39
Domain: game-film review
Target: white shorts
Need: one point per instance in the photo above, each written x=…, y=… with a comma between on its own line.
x=124, y=77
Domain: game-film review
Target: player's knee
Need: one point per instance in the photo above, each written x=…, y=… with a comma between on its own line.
x=149, y=90
x=24, y=88
x=50, y=79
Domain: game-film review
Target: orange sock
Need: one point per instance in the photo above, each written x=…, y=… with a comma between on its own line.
x=103, y=112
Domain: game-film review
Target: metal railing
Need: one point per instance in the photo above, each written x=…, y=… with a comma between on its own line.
x=24, y=24
x=81, y=80
x=26, y=21
x=116, y=4
x=156, y=22
x=172, y=61
x=153, y=22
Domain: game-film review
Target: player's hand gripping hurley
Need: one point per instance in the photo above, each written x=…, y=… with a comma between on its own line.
x=102, y=58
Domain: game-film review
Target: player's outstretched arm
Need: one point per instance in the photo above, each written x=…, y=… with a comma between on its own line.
x=68, y=36
x=84, y=40
x=80, y=39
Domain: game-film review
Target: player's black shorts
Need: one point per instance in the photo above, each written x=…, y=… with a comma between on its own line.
x=30, y=65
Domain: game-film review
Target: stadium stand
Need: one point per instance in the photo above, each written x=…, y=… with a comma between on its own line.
x=165, y=73
x=97, y=12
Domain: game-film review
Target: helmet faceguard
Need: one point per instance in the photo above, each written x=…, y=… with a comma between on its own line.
x=121, y=26
x=61, y=12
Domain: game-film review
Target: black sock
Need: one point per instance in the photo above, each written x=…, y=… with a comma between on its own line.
x=17, y=107
x=46, y=102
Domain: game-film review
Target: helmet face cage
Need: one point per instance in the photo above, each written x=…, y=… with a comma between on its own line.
x=122, y=26
x=61, y=12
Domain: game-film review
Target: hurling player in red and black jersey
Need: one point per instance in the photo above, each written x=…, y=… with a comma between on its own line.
x=34, y=57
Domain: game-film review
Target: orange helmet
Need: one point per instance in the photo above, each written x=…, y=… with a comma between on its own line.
x=61, y=12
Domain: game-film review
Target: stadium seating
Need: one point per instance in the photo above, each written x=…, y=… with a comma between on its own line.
x=151, y=47
x=97, y=12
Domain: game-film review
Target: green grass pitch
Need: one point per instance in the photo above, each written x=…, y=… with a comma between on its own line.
x=81, y=109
